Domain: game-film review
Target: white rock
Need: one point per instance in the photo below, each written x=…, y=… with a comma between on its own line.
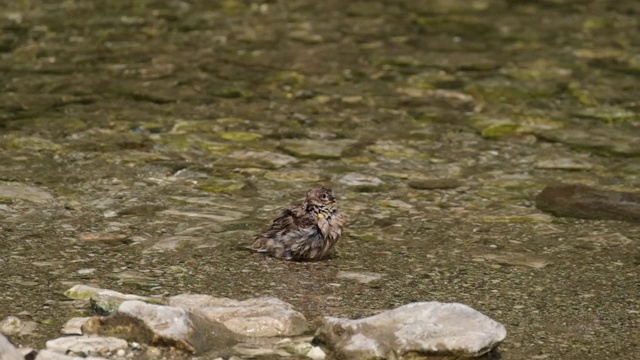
x=316, y=353
x=74, y=326
x=162, y=325
x=265, y=316
x=12, y=325
x=357, y=179
x=8, y=351
x=361, y=277
x=440, y=329
x=86, y=345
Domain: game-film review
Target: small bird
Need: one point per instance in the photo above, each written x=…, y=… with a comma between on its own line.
x=305, y=231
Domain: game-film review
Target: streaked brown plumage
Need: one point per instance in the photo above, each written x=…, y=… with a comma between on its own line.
x=305, y=231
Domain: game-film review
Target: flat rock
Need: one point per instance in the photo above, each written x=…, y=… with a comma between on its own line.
x=270, y=158
x=357, y=179
x=8, y=351
x=86, y=345
x=581, y=201
x=434, y=184
x=13, y=190
x=172, y=243
x=164, y=326
x=361, y=277
x=434, y=328
x=515, y=259
x=317, y=149
x=265, y=316
x=605, y=139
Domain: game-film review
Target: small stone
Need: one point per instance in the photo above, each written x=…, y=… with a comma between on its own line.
x=73, y=326
x=434, y=328
x=81, y=292
x=357, y=179
x=581, y=201
x=515, y=259
x=175, y=242
x=563, y=164
x=316, y=353
x=12, y=325
x=361, y=277
x=107, y=238
x=318, y=149
x=86, y=345
x=263, y=317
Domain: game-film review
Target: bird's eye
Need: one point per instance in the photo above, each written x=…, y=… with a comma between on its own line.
x=324, y=197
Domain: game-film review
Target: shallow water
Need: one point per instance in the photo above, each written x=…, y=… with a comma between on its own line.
x=136, y=124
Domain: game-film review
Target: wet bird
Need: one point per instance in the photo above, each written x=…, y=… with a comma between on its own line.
x=305, y=231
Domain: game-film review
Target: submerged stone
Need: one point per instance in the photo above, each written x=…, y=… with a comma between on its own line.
x=357, y=179
x=18, y=191
x=434, y=328
x=318, y=149
x=585, y=202
x=608, y=140
x=433, y=184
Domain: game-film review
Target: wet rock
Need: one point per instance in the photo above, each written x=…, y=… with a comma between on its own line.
x=394, y=150
x=494, y=128
x=273, y=159
x=361, y=277
x=563, y=164
x=220, y=215
x=106, y=238
x=8, y=351
x=434, y=328
x=317, y=149
x=608, y=140
x=175, y=242
x=515, y=259
x=87, y=345
x=264, y=316
x=12, y=325
x=608, y=113
x=434, y=184
x=357, y=179
x=162, y=325
x=74, y=326
x=291, y=175
x=17, y=191
x=581, y=201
